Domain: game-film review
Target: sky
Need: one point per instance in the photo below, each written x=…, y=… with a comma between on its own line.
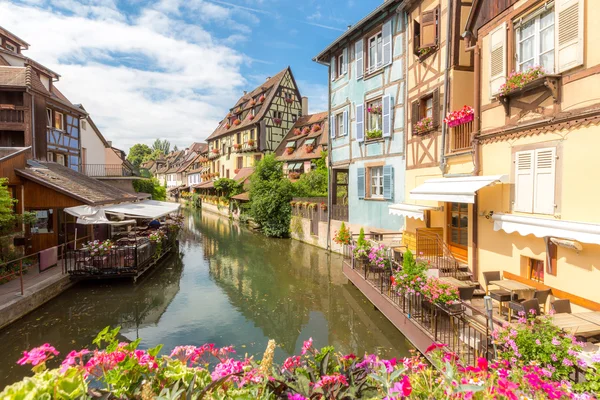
x=172, y=69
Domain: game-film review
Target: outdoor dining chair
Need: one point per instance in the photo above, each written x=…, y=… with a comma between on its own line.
x=561, y=306
x=542, y=296
x=524, y=307
x=466, y=293
x=500, y=295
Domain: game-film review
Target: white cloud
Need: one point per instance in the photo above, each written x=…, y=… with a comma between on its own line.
x=155, y=76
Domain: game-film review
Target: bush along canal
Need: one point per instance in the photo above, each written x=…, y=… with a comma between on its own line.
x=227, y=286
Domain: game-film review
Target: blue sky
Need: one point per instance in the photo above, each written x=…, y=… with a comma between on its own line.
x=172, y=68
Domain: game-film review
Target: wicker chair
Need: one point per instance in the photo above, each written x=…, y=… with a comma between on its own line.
x=561, y=306
x=466, y=293
x=525, y=307
x=500, y=295
x=542, y=297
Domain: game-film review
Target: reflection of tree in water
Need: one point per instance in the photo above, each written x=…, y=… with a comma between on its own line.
x=72, y=320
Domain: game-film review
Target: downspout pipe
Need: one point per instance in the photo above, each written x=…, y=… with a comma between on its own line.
x=33, y=144
x=443, y=162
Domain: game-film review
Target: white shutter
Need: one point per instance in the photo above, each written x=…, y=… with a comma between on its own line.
x=569, y=34
x=345, y=133
x=524, y=166
x=387, y=115
x=332, y=69
x=545, y=181
x=360, y=67
x=332, y=127
x=386, y=34
x=360, y=122
x=345, y=60
x=497, y=59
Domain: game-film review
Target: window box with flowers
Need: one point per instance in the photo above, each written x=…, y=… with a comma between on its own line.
x=251, y=143
x=237, y=122
x=297, y=132
x=309, y=148
x=277, y=121
x=227, y=125
x=424, y=125
x=215, y=151
x=425, y=52
x=237, y=170
x=289, y=100
x=316, y=128
x=460, y=117
x=374, y=120
x=305, y=130
x=237, y=146
x=374, y=134
x=238, y=110
x=323, y=206
x=252, y=103
x=522, y=82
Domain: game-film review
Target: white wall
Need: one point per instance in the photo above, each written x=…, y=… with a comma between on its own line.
x=95, y=153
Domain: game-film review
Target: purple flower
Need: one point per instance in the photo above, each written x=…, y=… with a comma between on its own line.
x=553, y=357
x=296, y=396
x=555, y=341
x=567, y=363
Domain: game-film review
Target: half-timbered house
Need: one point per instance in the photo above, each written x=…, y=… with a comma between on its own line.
x=538, y=115
x=366, y=130
x=256, y=125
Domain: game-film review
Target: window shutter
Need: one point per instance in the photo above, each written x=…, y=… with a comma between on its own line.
x=360, y=184
x=497, y=59
x=388, y=182
x=524, y=181
x=436, y=17
x=436, y=108
x=332, y=127
x=360, y=122
x=360, y=67
x=416, y=37
x=332, y=69
x=415, y=117
x=428, y=29
x=345, y=133
x=345, y=60
x=545, y=181
x=387, y=115
x=386, y=34
x=569, y=35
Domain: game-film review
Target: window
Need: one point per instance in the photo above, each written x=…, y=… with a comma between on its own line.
x=10, y=47
x=374, y=115
x=310, y=142
x=240, y=162
x=374, y=52
x=50, y=156
x=340, y=65
x=458, y=227
x=49, y=120
x=278, y=114
x=43, y=222
x=535, y=270
x=291, y=144
x=535, y=42
x=535, y=181
x=339, y=124
x=376, y=182
x=294, y=117
x=426, y=107
x=427, y=104
x=58, y=121
x=426, y=32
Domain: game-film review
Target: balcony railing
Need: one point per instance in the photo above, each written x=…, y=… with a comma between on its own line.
x=107, y=170
x=12, y=115
x=460, y=137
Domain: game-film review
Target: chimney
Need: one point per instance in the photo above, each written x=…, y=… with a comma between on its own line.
x=109, y=143
x=304, y=105
x=245, y=92
x=268, y=77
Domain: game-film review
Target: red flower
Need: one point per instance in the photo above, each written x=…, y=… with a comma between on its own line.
x=435, y=346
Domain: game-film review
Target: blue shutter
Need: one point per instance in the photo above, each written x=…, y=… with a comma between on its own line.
x=345, y=133
x=360, y=122
x=361, y=182
x=345, y=60
x=358, y=51
x=332, y=69
x=388, y=182
x=332, y=127
x=387, y=42
x=387, y=113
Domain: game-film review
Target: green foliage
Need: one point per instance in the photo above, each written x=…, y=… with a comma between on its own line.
x=137, y=154
x=9, y=221
x=155, y=155
x=151, y=186
x=342, y=236
x=270, y=194
x=228, y=187
x=162, y=145
x=314, y=183
x=411, y=278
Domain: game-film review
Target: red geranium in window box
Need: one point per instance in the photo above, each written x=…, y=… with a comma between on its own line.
x=251, y=142
x=250, y=117
x=305, y=130
x=227, y=125
x=237, y=122
x=237, y=146
x=261, y=98
x=297, y=131
x=316, y=128
x=309, y=148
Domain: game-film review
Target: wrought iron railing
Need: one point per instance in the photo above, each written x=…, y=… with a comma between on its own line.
x=12, y=114
x=107, y=170
x=432, y=249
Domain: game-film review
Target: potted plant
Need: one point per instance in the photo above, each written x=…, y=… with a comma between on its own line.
x=251, y=142
x=237, y=146
x=305, y=130
x=236, y=171
x=289, y=150
x=323, y=206
x=297, y=132
x=517, y=80
x=229, y=115
x=378, y=258
x=238, y=110
x=374, y=134
x=227, y=125
x=292, y=203
x=250, y=117
x=252, y=103
x=411, y=277
x=316, y=128
x=424, y=125
x=237, y=122
x=362, y=248
x=289, y=100
x=312, y=206
x=215, y=151
x=375, y=109
x=442, y=294
x=261, y=99
x=425, y=51
x=277, y=121
x=342, y=237
x=309, y=148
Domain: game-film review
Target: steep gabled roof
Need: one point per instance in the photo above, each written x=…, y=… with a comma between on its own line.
x=300, y=153
x=14, y=38
x=268, y=89
x=199, y=147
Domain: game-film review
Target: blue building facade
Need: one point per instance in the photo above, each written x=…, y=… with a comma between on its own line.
x=367, y=111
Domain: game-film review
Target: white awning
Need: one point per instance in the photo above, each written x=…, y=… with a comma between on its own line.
x=143, y=209
x=455, y=190
x=411, y=210
x=542, y=227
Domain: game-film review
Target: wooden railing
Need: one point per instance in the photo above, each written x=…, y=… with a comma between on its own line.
x=460, y=137
x=339, y=212
x=107, y=170
x=12, y=115
x=433, y=250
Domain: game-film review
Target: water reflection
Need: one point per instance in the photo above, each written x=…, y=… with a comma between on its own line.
x=228, y=286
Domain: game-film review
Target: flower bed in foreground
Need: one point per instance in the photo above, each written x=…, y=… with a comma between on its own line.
x=121, y=371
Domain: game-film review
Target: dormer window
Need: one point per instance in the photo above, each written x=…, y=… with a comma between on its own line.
x=291, y=144
x=310, y=142
x=10, y=47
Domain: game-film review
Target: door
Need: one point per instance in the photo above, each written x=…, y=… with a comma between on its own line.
x=458, y=229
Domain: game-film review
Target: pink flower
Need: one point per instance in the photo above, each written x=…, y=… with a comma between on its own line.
x=555, y=341
x=226, y=368
x=307, y=345
x=38, y=355
x=296, y=396
x=71, y=359
x=291, y=363
x=507, y=388
x=402, y=388
x=482, y=364
x=330, y=380
x=435, y=346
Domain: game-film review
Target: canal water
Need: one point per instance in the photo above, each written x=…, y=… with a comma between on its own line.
x=228, y=286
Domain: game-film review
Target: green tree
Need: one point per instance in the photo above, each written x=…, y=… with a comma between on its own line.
x=162, y=145
x=270, y=196
x=228, y=187
x=314, y=183
x=138, y=153
x=175, y=148
x=154, y=155
x=150, y=186
x=9, y=221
